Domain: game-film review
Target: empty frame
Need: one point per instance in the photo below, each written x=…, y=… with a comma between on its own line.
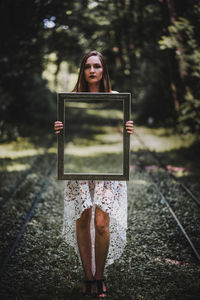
x=93, y=144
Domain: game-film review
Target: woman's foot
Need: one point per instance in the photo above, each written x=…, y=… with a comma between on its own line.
x=100, y=288
x=88, y=289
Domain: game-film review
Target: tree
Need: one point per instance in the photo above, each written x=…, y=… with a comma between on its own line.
x=151, y=49
x=182, y=41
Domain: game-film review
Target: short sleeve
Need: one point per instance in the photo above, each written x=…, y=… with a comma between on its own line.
x=115, y=92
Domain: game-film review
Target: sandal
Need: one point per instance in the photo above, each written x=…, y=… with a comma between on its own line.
x=100, y=293
x=88, y=293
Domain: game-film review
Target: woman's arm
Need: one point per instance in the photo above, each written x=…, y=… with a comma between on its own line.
x=58, y=125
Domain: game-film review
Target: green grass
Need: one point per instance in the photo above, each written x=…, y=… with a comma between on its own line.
x=157, y=262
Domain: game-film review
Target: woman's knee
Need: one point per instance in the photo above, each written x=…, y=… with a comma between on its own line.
x=102, y=221
x=85, y=219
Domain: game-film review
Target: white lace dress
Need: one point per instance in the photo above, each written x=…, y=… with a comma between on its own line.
x=111, y=197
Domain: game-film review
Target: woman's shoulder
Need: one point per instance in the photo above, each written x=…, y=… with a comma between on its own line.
x=114, y=92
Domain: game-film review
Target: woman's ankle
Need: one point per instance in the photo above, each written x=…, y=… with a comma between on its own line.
x=89, y=276
x=98, y=276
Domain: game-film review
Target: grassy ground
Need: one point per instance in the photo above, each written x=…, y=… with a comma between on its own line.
x=157, y=262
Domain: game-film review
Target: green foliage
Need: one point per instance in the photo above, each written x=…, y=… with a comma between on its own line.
x=189, y=114
x=22, y=91
x=183, y=41
x=155, y=59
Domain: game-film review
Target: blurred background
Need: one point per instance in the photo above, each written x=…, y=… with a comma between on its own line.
x=151, y=48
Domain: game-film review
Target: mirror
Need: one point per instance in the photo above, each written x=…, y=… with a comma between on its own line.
x=93, y=144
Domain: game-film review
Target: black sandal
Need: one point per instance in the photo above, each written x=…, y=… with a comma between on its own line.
x=88, y=293
x=99, y=286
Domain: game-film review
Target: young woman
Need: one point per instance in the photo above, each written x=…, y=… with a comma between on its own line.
x=95, y=212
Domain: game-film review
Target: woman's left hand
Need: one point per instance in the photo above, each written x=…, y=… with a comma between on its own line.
x=129, y=127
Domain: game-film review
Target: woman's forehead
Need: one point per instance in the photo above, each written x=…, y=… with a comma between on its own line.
x=93, y=60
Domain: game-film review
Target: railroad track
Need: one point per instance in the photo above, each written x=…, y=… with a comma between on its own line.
x=163, y=198
x=162, y=165
x=28, y=216
x=19, y=183
x=44, y=187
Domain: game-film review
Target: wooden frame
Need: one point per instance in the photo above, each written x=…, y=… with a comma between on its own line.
x=126, y=99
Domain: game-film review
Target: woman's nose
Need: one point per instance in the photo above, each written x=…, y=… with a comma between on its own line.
x=92, y=69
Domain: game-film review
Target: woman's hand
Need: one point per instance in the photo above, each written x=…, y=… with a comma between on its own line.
x=129, y=127
x=58, y=125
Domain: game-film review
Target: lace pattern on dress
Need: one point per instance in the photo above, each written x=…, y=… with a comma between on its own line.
x=111, y=197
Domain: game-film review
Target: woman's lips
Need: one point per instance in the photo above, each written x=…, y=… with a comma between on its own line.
x=92, y=76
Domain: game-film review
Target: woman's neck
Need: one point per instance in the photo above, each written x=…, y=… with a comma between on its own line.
x=94, y=88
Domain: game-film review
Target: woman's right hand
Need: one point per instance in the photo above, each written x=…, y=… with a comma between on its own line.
x=58, y=125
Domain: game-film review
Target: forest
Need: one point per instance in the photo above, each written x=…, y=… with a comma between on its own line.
x=151, y=47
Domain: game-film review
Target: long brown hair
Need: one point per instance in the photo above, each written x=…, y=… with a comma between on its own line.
x=82, y=85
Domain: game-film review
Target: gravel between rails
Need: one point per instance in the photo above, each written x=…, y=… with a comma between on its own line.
x=157, y=262
x=14, y=211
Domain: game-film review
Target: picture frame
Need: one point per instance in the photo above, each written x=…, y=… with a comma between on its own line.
x=62, y=98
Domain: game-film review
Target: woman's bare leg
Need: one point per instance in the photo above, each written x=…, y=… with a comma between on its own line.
x=102, y=239
x=84, y=242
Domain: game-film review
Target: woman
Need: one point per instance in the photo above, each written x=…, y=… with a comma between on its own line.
x=104, y=202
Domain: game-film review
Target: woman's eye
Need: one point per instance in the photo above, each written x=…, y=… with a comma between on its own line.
x=94, y=66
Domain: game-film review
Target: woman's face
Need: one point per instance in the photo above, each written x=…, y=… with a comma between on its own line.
x=93, y=70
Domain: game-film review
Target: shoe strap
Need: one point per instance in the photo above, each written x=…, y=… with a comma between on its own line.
x=100, y=287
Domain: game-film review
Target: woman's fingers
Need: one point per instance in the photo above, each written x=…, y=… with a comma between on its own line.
x=129, y=127
x=58, y=125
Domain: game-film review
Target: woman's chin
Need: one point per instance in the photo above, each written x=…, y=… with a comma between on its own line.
x=93, y=80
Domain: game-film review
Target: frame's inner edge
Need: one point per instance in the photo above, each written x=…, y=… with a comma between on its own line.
x=125, y=97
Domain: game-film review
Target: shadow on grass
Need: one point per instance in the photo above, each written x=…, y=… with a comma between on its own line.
x=14, y=170
x=130, y=278
x=100, y=163
x=185, y=158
